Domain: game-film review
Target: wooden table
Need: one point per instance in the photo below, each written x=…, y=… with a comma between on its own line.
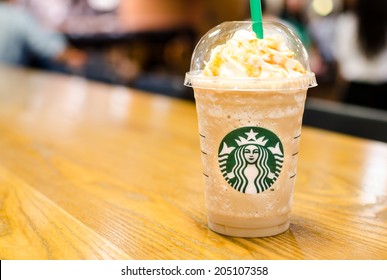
x=93, y=171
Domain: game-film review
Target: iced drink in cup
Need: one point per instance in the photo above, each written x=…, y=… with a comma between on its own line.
x=250, y=95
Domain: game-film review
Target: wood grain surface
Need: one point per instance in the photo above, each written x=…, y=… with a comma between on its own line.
x=94, y=171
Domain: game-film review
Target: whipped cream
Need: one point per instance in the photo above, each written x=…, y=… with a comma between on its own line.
x=244, y=55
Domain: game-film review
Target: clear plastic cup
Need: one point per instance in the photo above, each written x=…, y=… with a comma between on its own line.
x=249, y=134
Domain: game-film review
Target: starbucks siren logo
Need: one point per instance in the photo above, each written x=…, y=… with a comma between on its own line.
x=251, y=159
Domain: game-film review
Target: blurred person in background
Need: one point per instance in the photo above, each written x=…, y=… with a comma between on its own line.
x=322, y=28
x=294, y=13
x=23, y=39
x=361, y=53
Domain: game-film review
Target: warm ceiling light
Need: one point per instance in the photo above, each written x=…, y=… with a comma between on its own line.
x=103, y=5
x=323, y=7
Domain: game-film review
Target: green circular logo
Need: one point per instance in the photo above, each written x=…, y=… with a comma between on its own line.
x=251, y=159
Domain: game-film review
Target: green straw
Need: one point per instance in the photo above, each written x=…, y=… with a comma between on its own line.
x=256, y=17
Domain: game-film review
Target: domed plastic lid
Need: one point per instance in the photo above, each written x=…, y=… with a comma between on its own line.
x=220, y=34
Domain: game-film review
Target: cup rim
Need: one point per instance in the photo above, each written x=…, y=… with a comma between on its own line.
x=198, y=80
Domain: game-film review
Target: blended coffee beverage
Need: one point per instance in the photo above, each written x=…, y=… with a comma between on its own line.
x=250, y=95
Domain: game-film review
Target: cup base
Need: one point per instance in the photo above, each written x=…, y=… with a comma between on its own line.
x=249, y=232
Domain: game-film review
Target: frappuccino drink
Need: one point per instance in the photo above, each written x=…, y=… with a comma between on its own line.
x=250, y=95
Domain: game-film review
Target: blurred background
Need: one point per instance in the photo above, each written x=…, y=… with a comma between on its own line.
x=147, y=44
